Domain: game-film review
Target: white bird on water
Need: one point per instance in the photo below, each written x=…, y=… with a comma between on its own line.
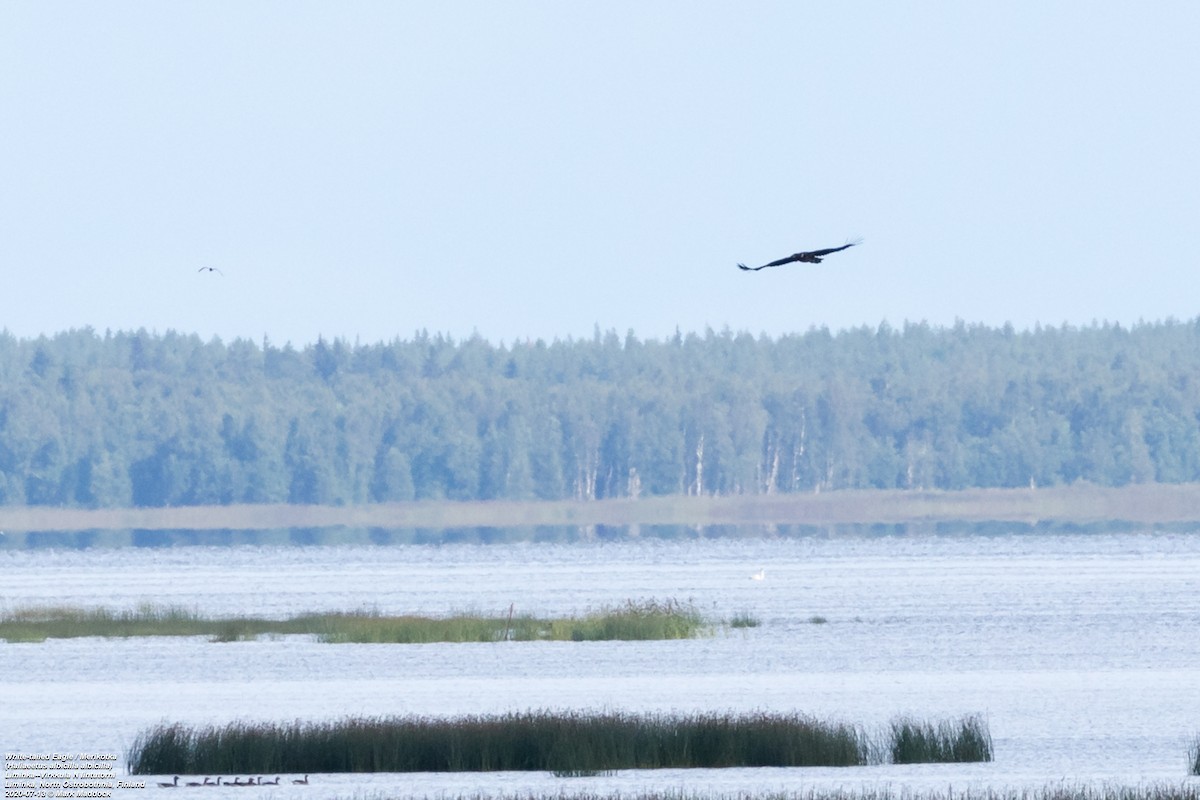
x=761, y=575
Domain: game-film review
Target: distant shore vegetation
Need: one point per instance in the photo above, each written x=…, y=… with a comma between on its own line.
x=560, y=742
x=132, y=419
x=634, y=620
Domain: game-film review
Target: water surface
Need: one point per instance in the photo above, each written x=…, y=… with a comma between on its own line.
x=1080, y=650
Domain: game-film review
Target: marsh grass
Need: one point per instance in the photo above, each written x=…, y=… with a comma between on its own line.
x=565, y=743
x=64, y=622
x=652, y=619
x=918, y=742
x=1194, y=756
x=343, y=628
x=744, y=619
x=1188, y=791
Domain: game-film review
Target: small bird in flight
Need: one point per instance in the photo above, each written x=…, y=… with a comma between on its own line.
x=210, y=269
x=811, y=257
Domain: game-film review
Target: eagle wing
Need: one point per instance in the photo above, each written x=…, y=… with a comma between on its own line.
x=787, y=260
x=827, y=251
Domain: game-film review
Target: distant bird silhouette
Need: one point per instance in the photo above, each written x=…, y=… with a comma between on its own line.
x=210, y=269
x=298, y=782
x=809, y=257
x=171, y=785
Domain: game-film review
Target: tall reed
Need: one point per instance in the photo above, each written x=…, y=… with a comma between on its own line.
x=1194, y=756
x=561, y=742
x=744, y=619
x=651, y=619
x=918, y=742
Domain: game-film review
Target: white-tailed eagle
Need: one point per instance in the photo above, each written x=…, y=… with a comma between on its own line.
x=809, y=257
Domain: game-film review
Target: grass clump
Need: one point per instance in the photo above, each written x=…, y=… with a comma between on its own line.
x=744, y=619
x=920, y=742
x=645, y=620
x=1194, y=756
x=564, y=743
x=342, y=628
x=633, y=621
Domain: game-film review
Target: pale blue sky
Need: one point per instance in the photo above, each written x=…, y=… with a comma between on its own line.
x=536, y=169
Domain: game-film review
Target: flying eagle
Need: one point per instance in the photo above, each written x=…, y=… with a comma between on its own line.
x=810, y=257
x=210, y=269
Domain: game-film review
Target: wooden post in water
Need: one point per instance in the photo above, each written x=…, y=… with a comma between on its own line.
x=508, y=625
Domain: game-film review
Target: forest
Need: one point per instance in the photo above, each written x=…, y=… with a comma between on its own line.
x=125, y=419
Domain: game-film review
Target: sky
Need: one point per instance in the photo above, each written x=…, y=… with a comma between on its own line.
x=526, y=169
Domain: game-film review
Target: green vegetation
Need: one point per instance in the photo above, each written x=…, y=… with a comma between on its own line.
x=651, y=619
x=1184, y=791
x=744, y=619
x=64, y=622
x=134, y=419
x=568, y=743
x=922, y=742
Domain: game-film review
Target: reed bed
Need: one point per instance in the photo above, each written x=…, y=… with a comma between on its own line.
x=921, y=742
x=563, y=743
x=1185, y=791
x=65, y=622
x=1194, y=756
x=654, y=619
x=645, y=620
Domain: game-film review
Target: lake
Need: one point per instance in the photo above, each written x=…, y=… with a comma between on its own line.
x=1081, y=651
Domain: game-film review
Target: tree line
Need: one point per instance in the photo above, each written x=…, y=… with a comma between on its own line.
x=146, y=419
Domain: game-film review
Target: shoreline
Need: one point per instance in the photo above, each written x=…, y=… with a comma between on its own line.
x=1081, y=503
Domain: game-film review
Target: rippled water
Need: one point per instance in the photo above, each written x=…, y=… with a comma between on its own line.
x=1082, y=651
